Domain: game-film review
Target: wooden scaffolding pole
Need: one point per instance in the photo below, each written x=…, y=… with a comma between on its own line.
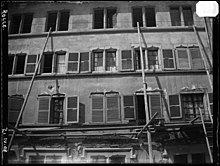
x=145, y=97
x=28, y=93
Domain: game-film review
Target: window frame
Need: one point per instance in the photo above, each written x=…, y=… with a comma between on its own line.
x=180, y=13
x=59, y=18
x=78, y=65
x=16, y=63
x=35, y=64
x=22, y=22
x=103, y=107
x=106, y=15
x=135, y=50
x=13, y=64
x=132, y=60
x=102, y=68
x=149, y=95
x=191, y=12
x=89, y=61
x=77, y=108
x=42, y=63
x=191, y=60
x=44, y=96
x=174, y=60
x=134, y=106
x=180, y=106
x=132, y=16
x=55, y=62
x=115, y=68
x=145, y=13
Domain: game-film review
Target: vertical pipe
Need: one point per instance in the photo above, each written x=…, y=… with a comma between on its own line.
x=145, y=97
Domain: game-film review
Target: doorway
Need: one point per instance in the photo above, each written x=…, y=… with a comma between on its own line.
x=141, y=116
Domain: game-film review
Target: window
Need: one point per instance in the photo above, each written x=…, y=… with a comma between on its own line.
x=119, y=159
x=20, y=63
x=110, y=60
x=97, y=108
x=105, y=18
x=57, y=21
x=197, y=62
x=129, y=107
x=48, y=159
x=137, y=16
x=15, y=103
x=191, y=104
x=155, y=104
x=174, y=106
x=187, y=16
x=138, y=59
x=210, y=95
x=64, y=21
x=56, y=112
x=112, y=108
x=98, y=18
x=105, y=108
x=127, y=63
x=189, y=58
x=21, y=23
x=183, y=58
x=175, y=16
x=99, y=159
x=98, y=62
x=180, y=159
x=73, y=65
x=31, y=64
x=47, y=62
x=168, y=59
x=198, y=158
x=60, y=62
x=85, y=62
x=150, y=17
x=11, y=58
x=44, y=109
x=153, y=61
x=73, y=109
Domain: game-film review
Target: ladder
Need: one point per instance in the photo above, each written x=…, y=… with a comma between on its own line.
x=28, y=93
x=208, y=131
x=201, y=47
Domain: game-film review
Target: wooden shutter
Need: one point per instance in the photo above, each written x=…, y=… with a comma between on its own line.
x=197, y=62
x=97, y=102
x=14, y=107
x=183, y=59
x=155, y=105
x=129, y=107
x=44, y=109
x=127, y=60
x=73, y=63
x=168, y=59
x=112, y=108
x=174, y=106
x=85, y=62
x=31, y=64
x=72, y=109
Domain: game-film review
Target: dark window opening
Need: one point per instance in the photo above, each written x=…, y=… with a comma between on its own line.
x=141, y=116
x=153, y=62
x=175, y=16
x=137, y=17
x=64, y=21
x=117, y=159
x=56, y=115
x=15, y=24
x=47, y=64
x=51, y=22
x=20, y=64
x=10, y=64
x=180, y=159
x=111, y=18
x=187, y=16
x=138, y=59
x=198, y=158
x=150, y=17
x=98, y=19
x=27, y=22
x=110, y=60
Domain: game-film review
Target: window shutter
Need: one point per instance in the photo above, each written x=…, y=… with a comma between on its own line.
x=197, y=62
x=129, y=108
x=211, y=102
x=183, y=59
x=44, y=110
x=73, y=109
x=31, y=64
x=174, y=106
x=168, y=59
x=155, y=105
x=73, y=63
x=14, y=107
x=127, y=61
x=97, y=108
x=112, y=108
x=84, y=62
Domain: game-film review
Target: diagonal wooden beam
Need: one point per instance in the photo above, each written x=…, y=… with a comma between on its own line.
x=150, y=121
x=192, y=121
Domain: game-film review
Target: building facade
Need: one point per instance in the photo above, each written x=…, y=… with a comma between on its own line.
x=86, y=104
